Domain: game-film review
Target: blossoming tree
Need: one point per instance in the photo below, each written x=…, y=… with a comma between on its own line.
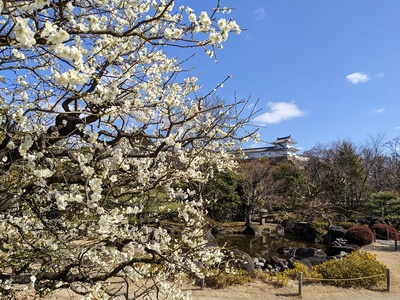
x=97, y=118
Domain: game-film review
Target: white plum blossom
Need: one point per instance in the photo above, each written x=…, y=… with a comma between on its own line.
x=204, y=21
x=192, y=17
x=102, y=124
x=26, y=145
x=61, y=201
x=70, y=77
x=23, y=33
x=44, y=173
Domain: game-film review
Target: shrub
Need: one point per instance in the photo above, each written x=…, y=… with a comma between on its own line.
x=281, y=279
x=220, y=279
x=358, y=264
x=381, y=231
x=346, y=225
x=359, y=235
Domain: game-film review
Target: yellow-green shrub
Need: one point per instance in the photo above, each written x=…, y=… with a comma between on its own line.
x=220, y=279
x=358, y=264
x=282, y=278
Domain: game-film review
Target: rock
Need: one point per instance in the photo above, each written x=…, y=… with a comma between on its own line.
x=243, y=261
x=280, y=230
x=251, y=230
x=285, y=250
x=315, y=260
x=307, y=263
x=309, y=252
x=335, y=232
x=289, y=225
x=336, y=250
x=211, y=241
x=259, y=265
x=274, y=260
x=217, y=230
x=306, y=231
x=283, y=264
x=299, y=253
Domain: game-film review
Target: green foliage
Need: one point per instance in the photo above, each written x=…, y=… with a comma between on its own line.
x=360, y=235
x=320, y=226
x=358, y=264
x=223, y=188
x=288, y=181
x=395, y=220
x=381, y=231
x=383, y=204
x=345, y=225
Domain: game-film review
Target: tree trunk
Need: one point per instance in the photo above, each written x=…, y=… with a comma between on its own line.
x=248, y=214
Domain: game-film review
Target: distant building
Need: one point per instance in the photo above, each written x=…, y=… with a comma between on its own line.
x=283, y=147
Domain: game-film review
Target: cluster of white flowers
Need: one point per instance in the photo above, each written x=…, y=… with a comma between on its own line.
x=23, y=33
x=120, y=123
x=54, y=34
x=95, y=186
x=25, y=145
x=43, y=173
x=70, y=77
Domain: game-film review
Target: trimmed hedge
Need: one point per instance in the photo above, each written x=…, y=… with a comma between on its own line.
x=381, y=231
x=359, y=235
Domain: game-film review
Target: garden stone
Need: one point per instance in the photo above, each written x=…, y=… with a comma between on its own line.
x=211, y=241
x=243, y=261
x=251, y=230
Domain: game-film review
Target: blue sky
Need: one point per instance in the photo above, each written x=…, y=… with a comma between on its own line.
x=322, y=70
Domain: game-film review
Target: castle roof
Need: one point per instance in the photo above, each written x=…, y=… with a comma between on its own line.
x=284, y=139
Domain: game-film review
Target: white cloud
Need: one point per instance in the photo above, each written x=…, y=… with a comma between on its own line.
x=358, y=77
x=278, y=112
x=380, y=75
x=378, y=110
x=260, y=13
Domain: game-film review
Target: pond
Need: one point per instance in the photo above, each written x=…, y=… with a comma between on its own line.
x=263, y=245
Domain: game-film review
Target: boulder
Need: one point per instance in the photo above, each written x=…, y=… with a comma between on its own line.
x=218, y=230
x=306, y=231
x=211, y=241
x=309, y=252
x=336, y=250
x=242, y=260
x=251, y=230
x=300, y=253
x=313, y=261
x=335, y=232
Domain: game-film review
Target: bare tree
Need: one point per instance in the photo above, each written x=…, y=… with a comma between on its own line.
x=255, y=185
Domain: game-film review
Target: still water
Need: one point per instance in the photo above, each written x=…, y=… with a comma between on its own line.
x=261, y=246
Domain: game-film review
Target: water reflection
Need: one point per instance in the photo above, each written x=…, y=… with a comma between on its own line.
x=261, y=246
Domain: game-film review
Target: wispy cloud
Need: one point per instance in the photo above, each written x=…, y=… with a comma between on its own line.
x=358, y=77
x=260, y=13
x=378, y=110
x=278, y=112
x=380, y=75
